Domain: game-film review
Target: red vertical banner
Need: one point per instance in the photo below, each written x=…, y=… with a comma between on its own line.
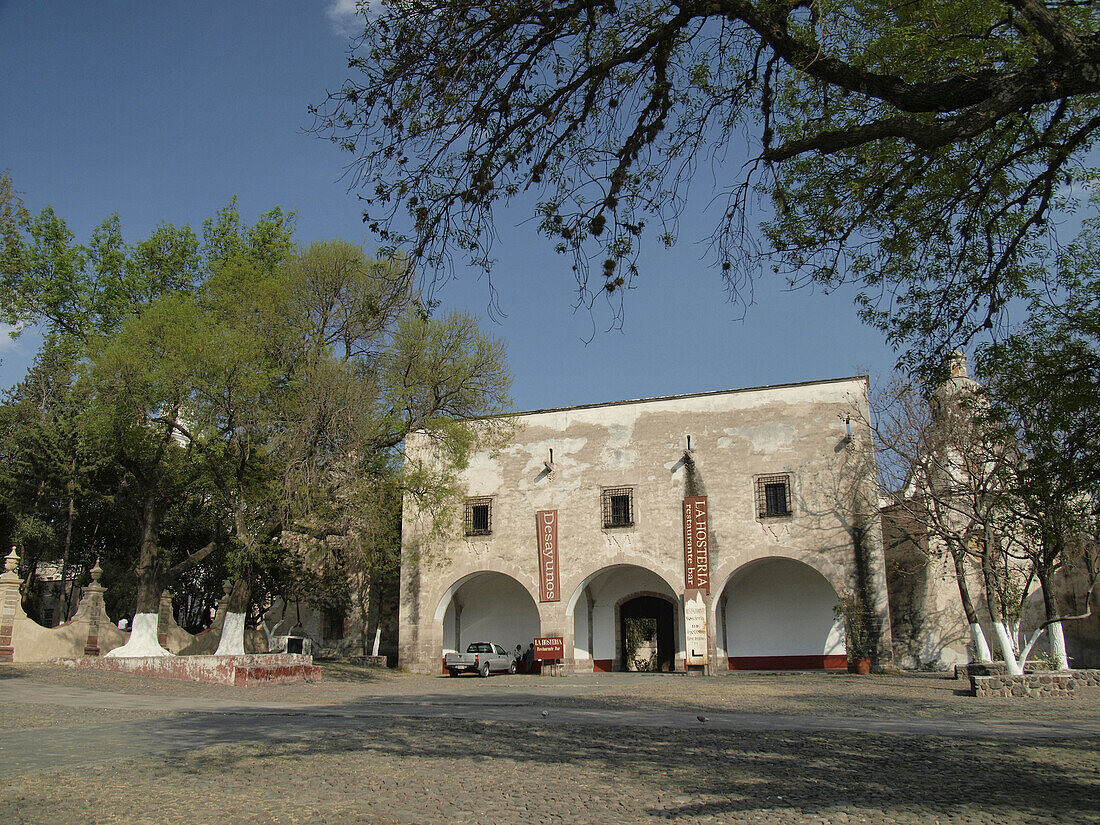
x=547, y=523
x=696, y=544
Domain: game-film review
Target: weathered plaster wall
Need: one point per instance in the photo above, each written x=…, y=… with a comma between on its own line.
x=735, y=436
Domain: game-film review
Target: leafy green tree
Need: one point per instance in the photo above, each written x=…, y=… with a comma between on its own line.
x=84, y=290
x=54, y=485
x=296, y=387
x=916, y=149
x=12, y=215
x=82, y=294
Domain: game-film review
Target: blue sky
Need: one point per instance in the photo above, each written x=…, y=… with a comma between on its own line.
x=164, y=111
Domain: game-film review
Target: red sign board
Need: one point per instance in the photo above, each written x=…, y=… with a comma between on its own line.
x=696, y=544
x=547, y=523
x=549, y=648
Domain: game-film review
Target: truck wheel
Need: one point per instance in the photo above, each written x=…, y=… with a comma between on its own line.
x=512, y=668
x=452, y=672
x=485, y=670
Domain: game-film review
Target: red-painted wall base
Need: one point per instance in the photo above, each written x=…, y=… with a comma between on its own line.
x=830, y=662
x=603, y=665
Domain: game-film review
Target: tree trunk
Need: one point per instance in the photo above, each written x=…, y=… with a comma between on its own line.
x=996, y=611
x=149, y=561
x=981, y=647
x=376, y=611
x=1058, y=645
x=1004, y=639
x=232, y=638
x=64, y=600
x=1055, y=634
x=144, y=636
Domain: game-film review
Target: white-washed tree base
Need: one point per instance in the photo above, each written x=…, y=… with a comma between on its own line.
x=981, y=647
x=1058, y=645
x=1004, y=640
x=143, y=640
x=377, y=641
x=232, y=640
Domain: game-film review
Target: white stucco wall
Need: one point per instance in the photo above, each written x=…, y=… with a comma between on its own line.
x=780, y=607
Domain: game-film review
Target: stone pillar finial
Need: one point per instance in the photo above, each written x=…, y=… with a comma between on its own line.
x=227, y=588
x=11, y=563
x=97, y=572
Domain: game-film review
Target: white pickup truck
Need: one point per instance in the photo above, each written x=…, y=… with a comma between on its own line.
x=482, y=658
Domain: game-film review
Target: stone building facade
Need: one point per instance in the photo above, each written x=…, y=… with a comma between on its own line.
x=727, y=523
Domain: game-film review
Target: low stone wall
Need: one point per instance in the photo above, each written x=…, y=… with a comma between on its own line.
x=998, y=668
x=91, y=632
x=240, y=671
x=980, y=669
x=1035, y=685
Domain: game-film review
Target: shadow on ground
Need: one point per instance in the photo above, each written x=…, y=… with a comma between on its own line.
x=717, y=772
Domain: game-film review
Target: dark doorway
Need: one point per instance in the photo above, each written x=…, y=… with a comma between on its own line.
x=645, y=622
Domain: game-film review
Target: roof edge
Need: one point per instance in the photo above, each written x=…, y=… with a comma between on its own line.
x=861, y=377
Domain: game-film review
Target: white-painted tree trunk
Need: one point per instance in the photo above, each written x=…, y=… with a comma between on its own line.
x=1058, y=645
x=232, y=640
x=377, y=640
x=1014, y=634
x=1004, y=639
x=143, y=639
x=269, y=634
x=981, y=647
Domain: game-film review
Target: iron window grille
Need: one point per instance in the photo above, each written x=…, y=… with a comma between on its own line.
x=618, y=507
x=479, y=517
x=773, y=496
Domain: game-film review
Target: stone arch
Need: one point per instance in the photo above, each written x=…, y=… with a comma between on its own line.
x=592, y=574
x=757, y=627
x=666, y=657
x=468, y=572
x=841, y=578
x=489, y=605
x=595, y=610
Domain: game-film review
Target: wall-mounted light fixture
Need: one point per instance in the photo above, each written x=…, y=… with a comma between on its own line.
x=689, y=443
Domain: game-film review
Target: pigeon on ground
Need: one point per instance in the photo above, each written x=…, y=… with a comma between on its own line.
x=545, y=713
x=701, y=718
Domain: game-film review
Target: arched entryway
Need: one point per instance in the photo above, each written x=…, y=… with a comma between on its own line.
x=777, y=614
x=488, y=607
x=597, y=610
x=647, y=633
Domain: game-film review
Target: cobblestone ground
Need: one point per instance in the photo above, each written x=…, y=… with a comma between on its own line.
x=427, y=771
x=384, y=770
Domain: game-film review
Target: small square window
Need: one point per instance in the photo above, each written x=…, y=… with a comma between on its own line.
x=479, y=516
x=618, y=507
x=773, y=496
